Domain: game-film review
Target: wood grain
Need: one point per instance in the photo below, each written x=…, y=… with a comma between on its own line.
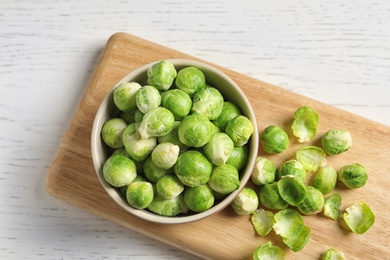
x=71, y=177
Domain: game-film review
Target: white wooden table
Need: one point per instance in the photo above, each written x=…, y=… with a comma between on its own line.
x=333, y=51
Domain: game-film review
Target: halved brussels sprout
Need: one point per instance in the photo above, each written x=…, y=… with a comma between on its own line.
x=178, y=102
x=229, y=111
x=208, y=102
x=332, y=206
x=359, y=217
x=112, y=132
x=238, y=157
x=240, y=129
x=293, y=168
x=274, y=139
x=156, y=122
x=161, y=75
x=195, y=130
x=224, y=179
x=311, y=157
x=190, y=80
x=305, y=123
x=140, y=194
x=270, y=197
x=313, y=202
x=263, y=171
x=336, y=141
x=268, y=251
x=124, y=96
x=119, y=170
x=333, y=254
x=169, y=187
x=246, y=202
x=292, y=190
x=165, y=155
x=137, y=148
x=353, y=175
x=169, y=208
x=147, y=98
x=262, y=221
x=219, y=148
x=199, y=198
x=325, y=179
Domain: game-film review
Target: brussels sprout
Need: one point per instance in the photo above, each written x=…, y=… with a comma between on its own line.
x=298, y=241
x=353, y=175
x=274, y=139
x=124, y=96
x=161, y=75
x=214, y=129
x=311, y=157
x=238, y=157
x=178, y=102
x=246, y=202
x=173, y=137
x=359, y=217
x=169, y=187
x=119, y=170
x=112, y=132
x=195, y=130
x=219, y=148
x=240, y=130
x=292, y=190
x=332, y=206
x=333, y=254
x=165, y=155
x=270, y=197
x=268, y=251
x=208, y=102
x=229, y=111
x=152, y=172
x=313, y=202
x=224, y=179
x=262, y=221
x=157, y=122
x=168, y=208
x=264, y=171
x=294, y=168
x=190, y=80
x=193, y=168
x=132, y=116
x=140, y=194
x=137, y=148
x=305, y=123
x=147, y=98
x=199, y=198
x=325, y=179
x=336, y=141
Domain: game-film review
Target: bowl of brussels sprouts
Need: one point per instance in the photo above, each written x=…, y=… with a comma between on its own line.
x=174, y=141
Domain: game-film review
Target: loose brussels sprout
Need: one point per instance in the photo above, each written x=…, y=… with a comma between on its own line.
x=359, y=217
x=268, y=251
x=311, y=157
x=219, y=148
x=229, y=111
x=240, y=130
x=224, y=179
x=152, y=172
x=190, y=80
x=137, y=148
x=195, y=130
x=246, y=202
x=132, y=116
x=353, y=175
x=298, y=241
x=165, y=155
x=274, y=139
x=325, y=179
x=119, y=170
x=208, y=102
x=332, y=206
x=178, y=102
x=147, y=98
x=333, y=254
x=199, y=198
x=173, y=137
x=161, y=75
x=313, y=202
x=169, y=187
x=157, y=122
x=238, y=157
x=112, y=132
x=305, y=123
x=294, y=168
x=292, y=190
x=262, y=221
x=124, y=96
x=336, y=141
x=140, y=194
x=264, y=171
x=193, y=168
x=168, y=208
x=270, y=197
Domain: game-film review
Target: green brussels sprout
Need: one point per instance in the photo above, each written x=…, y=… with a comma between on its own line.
x=208, y=102
x=219, y=148
x=124, y=96
x=294, y=168
x=165, y=155
x=173, y=137
x=123, y=151
x=112, y=132
x=224, y=179
x=140, y=194
x=262, y=221
x=264, y=171
x=229, y=111
x=274, y=139
x=156, y=122
x=147, y=98
x=199, y=198
x=214, y=129
x=292, y=190
x=311, y=157
x=333, y=254
x=325, y=179
x=178, y=102
x=119, y=170
x=353, y=175
x=132, y=116
x=298, y=241
x=169, y=187
x=161, y=75
x=193, y=168
x=168, y=208
x=137, y=148
x=246, y=202
x=305, y=123
x=238, y=157
x=195, y=130
x=268, y=251
x=190, y=80
x=359, y=217
x=240, y=130
x=152, y=172
x=332, y=206
x=336, y=141
x=313, y=202
x=270, y=197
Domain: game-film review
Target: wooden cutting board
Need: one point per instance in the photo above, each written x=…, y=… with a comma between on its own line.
x=226, y=235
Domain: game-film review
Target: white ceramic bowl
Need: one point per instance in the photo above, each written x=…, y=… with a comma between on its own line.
x=107, y=109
